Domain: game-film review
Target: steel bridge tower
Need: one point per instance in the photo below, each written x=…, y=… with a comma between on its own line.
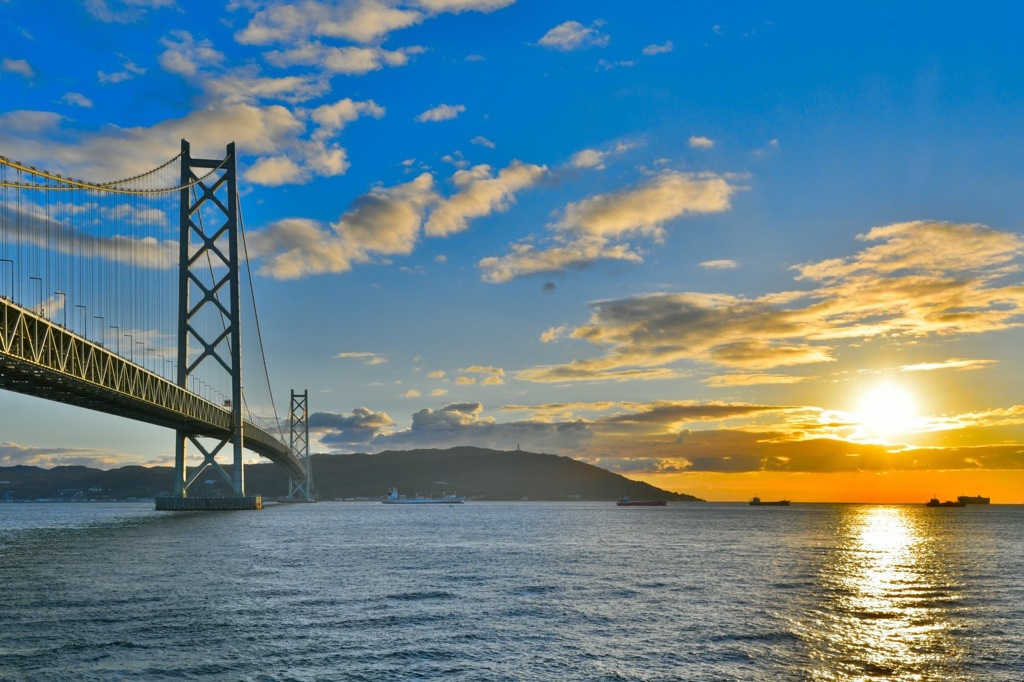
x=207, y=269
x=299, y=443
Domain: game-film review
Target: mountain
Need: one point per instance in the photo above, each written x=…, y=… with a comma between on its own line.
x=474, y=473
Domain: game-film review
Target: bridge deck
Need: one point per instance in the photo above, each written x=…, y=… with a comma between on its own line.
x=45, y=360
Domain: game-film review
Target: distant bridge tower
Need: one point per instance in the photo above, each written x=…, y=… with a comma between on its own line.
x=299, y=420
x=209, y=264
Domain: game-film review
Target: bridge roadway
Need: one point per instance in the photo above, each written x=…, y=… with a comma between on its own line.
x=45, y=360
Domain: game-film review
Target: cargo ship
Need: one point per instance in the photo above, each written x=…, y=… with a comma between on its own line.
x=973, y=499
x=758, y=502
x=934, y=502
x=626, y=502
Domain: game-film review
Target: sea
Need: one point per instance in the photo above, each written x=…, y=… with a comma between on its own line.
x=512, y=591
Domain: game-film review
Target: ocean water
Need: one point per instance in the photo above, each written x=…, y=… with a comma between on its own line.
x=512, y=591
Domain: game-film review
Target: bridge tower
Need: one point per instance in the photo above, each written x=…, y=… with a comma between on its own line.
x=208, y=285
x=299, y=420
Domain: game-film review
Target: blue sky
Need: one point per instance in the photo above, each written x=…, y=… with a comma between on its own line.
x=676, y=240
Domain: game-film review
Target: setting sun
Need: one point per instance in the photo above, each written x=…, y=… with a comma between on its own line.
x=886, y=410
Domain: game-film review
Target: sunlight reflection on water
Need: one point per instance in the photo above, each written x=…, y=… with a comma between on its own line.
x=501, y=592
x=888, y=599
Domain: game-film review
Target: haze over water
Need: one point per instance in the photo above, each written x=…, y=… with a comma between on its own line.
x=512, y=591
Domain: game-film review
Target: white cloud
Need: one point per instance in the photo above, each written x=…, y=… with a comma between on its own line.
x=361, y=21
x=572, y=35
x=588, y=158
x=525, y=259
x=200, y=63
x=608, y=66
x=952, y=363
x=184, y=56
x=646, y=208
x=480, y=194
x=651, y=50
x=350, y=60
x=77, y=99
x=123, y=152
x=483, y=142
x=481, y=369
x=21, y=125
x=359, y=426
x=916, y=280
x=587, y=229
x=770, y=147
x=553, y=333
x=272, y=171
x=385, y=221
x=18, y=66
x=13, y=454
x=493, y=375
x=246, y=85
x=332, y=118
x=279, y=137
x=42, y=228
x=443, y=112
x=719, y=264
x=456, y=6
x=124, y=11
x=701, y=142
x=464, y=424
x=596, y=158
x=367, y=358
x=128, y=72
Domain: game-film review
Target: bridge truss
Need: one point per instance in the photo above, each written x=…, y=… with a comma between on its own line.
x=57, y=234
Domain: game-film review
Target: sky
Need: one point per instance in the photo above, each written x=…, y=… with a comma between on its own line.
x=730, y=249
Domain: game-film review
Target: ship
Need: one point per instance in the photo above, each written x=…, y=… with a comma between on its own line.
x=394, y=498
x=934, y=502
x=758, y=502
x=626, y=502
x=975, y=499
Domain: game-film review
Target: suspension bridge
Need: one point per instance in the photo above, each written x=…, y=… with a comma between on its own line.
x=128, y=297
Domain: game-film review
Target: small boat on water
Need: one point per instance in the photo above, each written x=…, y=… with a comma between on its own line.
x=934, y=502
x=394, y=498
x=626, y=502
x=758, y=502
x=973, y=499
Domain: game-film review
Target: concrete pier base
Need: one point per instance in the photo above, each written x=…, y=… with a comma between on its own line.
x=208, y=503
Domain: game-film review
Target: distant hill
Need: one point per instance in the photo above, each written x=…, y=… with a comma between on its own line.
x=475, y=473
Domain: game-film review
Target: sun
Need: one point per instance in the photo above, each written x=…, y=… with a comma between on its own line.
x=885, y=410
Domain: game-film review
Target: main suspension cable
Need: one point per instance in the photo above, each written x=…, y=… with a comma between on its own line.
x=113, y=187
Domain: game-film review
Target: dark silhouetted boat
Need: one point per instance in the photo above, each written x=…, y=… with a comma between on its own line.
x=934, y=502
x=758, y=502
x=626, y=502
x=976, y=499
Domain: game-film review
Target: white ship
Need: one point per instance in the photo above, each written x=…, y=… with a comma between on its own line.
x=394, y=498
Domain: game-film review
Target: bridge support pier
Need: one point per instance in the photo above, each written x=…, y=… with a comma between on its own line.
x=208, y=503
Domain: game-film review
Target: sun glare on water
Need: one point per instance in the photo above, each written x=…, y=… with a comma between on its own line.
x=886, y=410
